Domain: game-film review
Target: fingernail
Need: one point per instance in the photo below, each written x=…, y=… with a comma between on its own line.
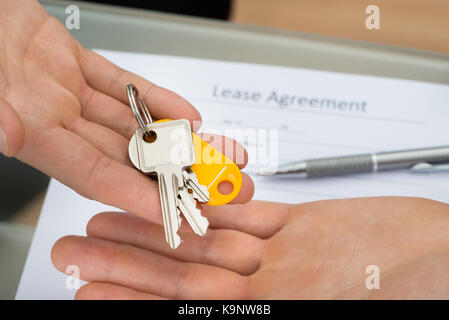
x=3, y=142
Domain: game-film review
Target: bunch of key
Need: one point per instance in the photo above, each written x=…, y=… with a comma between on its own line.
x=165, y=149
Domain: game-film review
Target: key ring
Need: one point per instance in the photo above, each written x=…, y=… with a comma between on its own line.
x=140, y=110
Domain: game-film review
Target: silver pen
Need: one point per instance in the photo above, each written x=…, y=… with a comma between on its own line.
x=417, y=160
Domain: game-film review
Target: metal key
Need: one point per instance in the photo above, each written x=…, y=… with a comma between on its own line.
x=187, y=205
x=200, y=191
x=165, y=149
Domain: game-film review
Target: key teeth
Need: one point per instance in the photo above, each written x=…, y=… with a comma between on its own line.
x=198, y=198
x=191, y=182
x=178, y=211
x=187, y=205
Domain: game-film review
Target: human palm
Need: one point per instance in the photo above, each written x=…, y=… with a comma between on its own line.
x=64, y=110
x=264, y=250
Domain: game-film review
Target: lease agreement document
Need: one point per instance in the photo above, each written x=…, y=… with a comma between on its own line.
x=281, y=114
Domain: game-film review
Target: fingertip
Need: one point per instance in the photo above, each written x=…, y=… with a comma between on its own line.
x=60, y=250
x=84, y=293
x=247, y=190
x=101, y=222
x=197, y=121
x=12, y=133
x=94, y=222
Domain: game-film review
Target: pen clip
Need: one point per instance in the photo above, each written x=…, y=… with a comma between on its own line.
x=427, y=167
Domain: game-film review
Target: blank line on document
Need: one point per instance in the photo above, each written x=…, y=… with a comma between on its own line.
x=317, y=112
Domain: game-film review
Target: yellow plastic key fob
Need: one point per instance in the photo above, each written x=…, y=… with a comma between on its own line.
x=211, y=168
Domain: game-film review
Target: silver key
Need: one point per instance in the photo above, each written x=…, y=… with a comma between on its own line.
x=187, y=205
x=200, y=191
x=168, y=156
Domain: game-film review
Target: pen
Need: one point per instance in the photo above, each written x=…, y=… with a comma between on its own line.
x=417, y=160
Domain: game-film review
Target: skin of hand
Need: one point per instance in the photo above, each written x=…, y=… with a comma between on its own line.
x=63, y=110
x=263, y=250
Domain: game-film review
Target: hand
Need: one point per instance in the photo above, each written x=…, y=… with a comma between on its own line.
x=64, y=111
x=265, y=250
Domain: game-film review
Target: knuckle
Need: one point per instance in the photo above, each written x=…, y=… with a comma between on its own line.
x=148, y=91
x=116, y=79
x=131, y=127
x=88, y=96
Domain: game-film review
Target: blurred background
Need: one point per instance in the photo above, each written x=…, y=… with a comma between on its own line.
x=415, y=24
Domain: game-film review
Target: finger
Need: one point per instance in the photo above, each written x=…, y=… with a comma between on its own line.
x=109, y=291
x=106, y=261
x=109, y=142
x=246, y=192
x=236, y=251
x=229, y=147
x=106, y=77
x=259, y=218
x=12, y=133
x=109, y=112
x=75, y=162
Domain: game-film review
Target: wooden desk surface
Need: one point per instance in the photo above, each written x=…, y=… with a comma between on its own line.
x=418, y=24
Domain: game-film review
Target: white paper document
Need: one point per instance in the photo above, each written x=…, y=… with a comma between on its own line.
x=281, y=114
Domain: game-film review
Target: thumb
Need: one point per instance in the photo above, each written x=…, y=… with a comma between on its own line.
x=12, y=134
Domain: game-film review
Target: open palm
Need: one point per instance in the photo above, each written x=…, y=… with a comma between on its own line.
x=264, y=250
x=64, y=111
